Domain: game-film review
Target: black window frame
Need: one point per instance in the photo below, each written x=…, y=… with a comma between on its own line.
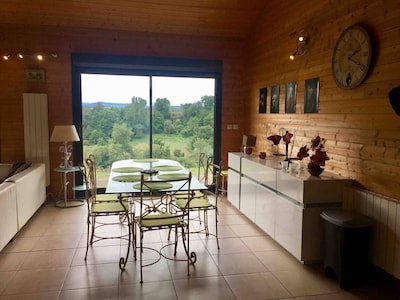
x=84, y=63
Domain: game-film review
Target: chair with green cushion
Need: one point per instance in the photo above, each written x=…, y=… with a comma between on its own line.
x=103, y=213
x=209, y=201
x=155, y=211
x=100, y=196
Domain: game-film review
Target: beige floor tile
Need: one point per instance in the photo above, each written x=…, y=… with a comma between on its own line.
x=35, y=281
x=12, y=261
x=243, y=230
x=89, y=276
x=239, y=263
x=152, y=273
x=260, y=243
x=196, y=246
x=65, y=228
x=21, y=244
x=233, y=220
x=35, y=296
x=53, y=242
x=33, y=230
x=5, y=278
x=163, y=290
x=256, y=286
x=203, y=288
x=48, y=259
x=229, y=245
x=109, y=293
x=306, y=281
x=203, y=267
x=98, y=255
x=278, y=260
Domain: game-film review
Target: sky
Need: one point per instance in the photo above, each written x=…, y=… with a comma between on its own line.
x=121, y=88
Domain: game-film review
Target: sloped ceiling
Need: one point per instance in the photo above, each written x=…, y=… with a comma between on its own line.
x=216, y=18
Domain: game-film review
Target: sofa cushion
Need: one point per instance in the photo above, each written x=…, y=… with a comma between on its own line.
x=17, y=167
x=23, y=166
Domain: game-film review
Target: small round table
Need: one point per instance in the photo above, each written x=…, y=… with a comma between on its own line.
x=64, y=203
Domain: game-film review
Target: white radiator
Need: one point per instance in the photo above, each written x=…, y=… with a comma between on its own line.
x=385, y=213
x=36, y=130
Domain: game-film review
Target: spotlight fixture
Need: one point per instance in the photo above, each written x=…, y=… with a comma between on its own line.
x=301, y=43
x=33, y=56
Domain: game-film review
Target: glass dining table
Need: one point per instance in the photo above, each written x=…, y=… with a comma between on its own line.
x=125, y=175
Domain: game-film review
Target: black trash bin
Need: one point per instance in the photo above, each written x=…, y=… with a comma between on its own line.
x=347, y=243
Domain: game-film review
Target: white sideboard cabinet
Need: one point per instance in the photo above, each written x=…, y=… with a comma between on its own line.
x=287, y=206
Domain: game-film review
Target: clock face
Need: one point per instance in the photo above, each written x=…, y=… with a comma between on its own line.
x=351, y=57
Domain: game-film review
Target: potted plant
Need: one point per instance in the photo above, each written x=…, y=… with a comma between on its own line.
x=317, y=159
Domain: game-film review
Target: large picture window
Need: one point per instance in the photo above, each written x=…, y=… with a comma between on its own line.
x=146, y=108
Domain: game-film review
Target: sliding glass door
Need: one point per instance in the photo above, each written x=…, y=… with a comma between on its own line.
x=123, y=111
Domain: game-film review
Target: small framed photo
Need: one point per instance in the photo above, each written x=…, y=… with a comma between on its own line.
x=35, y=75
x=274, y=107
x=262, y=105
x=290, y=97
x=311, y=95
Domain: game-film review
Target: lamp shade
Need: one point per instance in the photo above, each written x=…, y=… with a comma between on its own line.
x=64, y=133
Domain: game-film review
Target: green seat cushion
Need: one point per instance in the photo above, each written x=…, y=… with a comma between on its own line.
x=127, y=170
x=145, y=160
x=154, y=186
x=173, y=176
x=167, y=168
x=194, y=203
x=108, y=207
x=107, y=197
x=128, y=178
x=158, y=220
x=183, y=195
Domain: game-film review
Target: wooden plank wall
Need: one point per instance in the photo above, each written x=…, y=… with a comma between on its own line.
x=65, y=41
x=359, y=125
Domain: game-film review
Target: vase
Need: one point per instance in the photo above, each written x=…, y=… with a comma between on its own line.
x=315, y=170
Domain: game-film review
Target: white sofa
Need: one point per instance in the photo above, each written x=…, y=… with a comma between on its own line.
x=21, y=195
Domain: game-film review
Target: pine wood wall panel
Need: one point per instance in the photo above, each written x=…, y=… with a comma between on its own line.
x=359, y=125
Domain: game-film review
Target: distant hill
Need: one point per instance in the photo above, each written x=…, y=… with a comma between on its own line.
x=105, y=104
x=112, y=104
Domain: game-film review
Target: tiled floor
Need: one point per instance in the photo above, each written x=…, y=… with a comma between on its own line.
x=46, y=261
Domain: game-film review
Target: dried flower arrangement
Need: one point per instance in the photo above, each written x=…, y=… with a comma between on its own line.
x=317, y=159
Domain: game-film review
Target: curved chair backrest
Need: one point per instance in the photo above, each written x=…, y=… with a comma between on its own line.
x=213, y=175
x=91, y=176
x=84, y=173
x=156, y=194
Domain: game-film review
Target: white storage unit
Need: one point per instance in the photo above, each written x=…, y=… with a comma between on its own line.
x=285, y=205
x=234, y=179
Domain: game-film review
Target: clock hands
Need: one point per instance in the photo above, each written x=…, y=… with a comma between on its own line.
x=350, y=58
x=351, y=55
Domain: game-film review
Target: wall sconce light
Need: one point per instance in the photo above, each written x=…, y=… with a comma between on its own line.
x=301, y=43
x=34, y=56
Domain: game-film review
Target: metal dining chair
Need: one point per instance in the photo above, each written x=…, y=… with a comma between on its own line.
x=208, y=202
x=156, y=211
x=103, y=213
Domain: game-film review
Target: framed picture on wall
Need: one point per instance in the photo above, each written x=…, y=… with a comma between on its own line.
x=262, y=105
x=290, y=97
x=274, y=107
x=311, y=95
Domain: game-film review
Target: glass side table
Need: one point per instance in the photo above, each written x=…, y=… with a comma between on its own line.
x=64, y=203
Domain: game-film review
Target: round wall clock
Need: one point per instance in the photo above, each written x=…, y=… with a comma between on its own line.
x=351, y=58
